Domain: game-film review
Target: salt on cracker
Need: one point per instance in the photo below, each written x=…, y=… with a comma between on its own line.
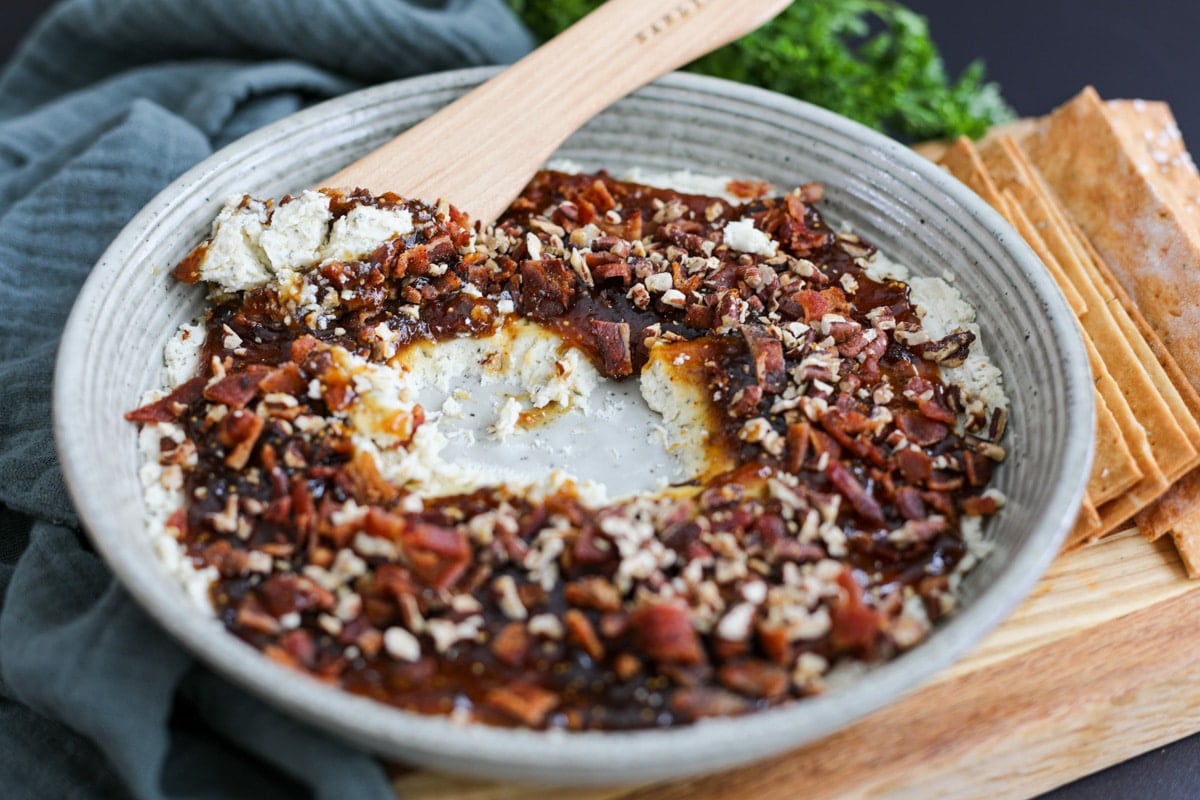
x=1150, y=135
x=1152, y=138
x=1132, y=223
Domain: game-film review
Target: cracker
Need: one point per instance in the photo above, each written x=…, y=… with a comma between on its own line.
x=1177, y=391
x=1130, y=122
x=1133, y=225
x=1168, y=512
x=1029, y=232
x=1184, y=495
x=1152, y=483
x=931, y=150
x=1114, y=469
x=963, y=162
x=1152, y=138
x=1186, y=535
x=1086, y=528
x=1129, y=364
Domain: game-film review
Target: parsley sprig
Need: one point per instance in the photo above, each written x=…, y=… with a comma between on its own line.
x=870, y=60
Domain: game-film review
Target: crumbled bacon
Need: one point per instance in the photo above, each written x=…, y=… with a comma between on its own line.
x=594, y=592
x=612, y=339
x=511, y=644
x=766, y=351
x=238, y=389
x=849, y=486
x=921, y=430
x=547, y=288
x=754, y=678
x=664, y=632
x=524, y=702
x=437, y=555
x=170, y=407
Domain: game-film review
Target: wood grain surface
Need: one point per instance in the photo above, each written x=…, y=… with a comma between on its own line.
x=1092, y=669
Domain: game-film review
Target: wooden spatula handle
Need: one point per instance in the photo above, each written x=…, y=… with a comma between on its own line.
x=480, y=151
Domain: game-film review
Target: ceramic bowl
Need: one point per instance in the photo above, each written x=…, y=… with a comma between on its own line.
x=112, y=352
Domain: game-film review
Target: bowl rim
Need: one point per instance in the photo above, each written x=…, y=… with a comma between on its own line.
x=715, y=742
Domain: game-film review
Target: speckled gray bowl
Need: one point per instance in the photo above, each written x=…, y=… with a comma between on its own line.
x=111, y=353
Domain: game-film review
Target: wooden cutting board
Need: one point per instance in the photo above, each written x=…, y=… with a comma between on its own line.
x=1096, y=666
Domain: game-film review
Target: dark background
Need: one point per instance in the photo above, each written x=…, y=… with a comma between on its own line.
x=1041, y=52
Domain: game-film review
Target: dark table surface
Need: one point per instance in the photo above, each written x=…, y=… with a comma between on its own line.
x=1041, y=52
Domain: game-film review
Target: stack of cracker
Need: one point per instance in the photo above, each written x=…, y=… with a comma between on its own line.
x=1107, y=196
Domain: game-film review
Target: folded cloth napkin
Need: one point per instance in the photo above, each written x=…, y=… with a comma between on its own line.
x=104, y=104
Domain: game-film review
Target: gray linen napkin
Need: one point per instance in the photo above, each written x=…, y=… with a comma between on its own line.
x=106, y=102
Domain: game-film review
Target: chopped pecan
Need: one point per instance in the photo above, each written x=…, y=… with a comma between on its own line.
x=981, y=505
x=251, y=616
x=746, y=400
x=612, y=271
x=855, y=625
x=627, y=666
x=798, y=441
x=285, y=593
x=366, y=484
x=909, y=503
x=285, y=379
x=944, y=481
x=951, y=350
x=977, y=468
x=915, y=464
x=238, y=432
x=300, y=646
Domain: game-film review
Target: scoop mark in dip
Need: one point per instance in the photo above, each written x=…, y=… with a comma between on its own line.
x=838, y=480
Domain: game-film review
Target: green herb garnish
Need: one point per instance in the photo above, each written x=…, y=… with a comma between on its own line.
x=870, y=60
